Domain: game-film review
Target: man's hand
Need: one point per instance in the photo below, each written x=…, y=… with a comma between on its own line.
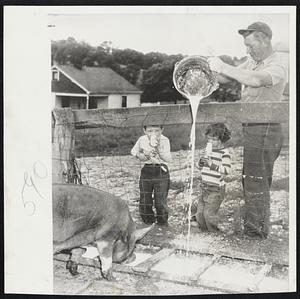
x=216, y=64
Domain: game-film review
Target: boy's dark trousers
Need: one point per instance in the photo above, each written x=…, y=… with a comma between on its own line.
x=208, y=207
x=262, y=145
x=154, y=180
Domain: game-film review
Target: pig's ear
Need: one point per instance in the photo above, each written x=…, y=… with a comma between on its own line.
x=140, y=233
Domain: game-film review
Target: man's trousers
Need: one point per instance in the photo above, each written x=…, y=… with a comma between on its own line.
x=262, y=145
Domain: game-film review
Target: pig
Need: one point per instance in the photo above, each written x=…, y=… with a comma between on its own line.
x=83, y=215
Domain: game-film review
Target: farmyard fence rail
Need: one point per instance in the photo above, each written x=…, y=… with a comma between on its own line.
x=65, y=121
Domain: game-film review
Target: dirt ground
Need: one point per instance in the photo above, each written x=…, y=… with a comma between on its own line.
x=120, y=175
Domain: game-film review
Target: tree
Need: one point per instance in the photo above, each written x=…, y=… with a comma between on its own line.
x=158, y=82
x=69, y=51
x=128, y=56
x=107, y=46
x=152, y=58
x=228, y=92
x=130, y=72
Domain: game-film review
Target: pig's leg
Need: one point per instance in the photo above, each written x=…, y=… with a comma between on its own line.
x=77, y=240
x=72, y=263
x=83, y=238
x=105, y=249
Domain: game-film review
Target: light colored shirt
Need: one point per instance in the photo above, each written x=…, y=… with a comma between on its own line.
x=221, y=166
x=162, y=149
x=275, y=67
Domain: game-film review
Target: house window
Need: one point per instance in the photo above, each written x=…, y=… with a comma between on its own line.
x=55, y=75
x=124, y=101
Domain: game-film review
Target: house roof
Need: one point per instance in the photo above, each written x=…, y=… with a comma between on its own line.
x=98, y=80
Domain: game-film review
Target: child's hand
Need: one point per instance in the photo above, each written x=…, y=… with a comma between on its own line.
x=148, y=153
x=202, y=162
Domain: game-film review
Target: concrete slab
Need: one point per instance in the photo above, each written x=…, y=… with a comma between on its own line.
x=181, y=264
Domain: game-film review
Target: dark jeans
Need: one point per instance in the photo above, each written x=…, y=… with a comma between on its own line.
x=154, y=184
x=208, y=207
x=262, y=145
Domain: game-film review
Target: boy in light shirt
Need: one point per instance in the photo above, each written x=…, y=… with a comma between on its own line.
x=153, y=149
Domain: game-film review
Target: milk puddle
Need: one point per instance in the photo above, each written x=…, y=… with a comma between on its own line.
x=195, y=81
x=91, y=252
x=181, y=264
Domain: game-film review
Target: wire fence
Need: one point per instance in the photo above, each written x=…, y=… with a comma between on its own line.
x=100, y=157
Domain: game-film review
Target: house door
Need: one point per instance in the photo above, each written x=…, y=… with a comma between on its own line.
x=65, y=102
x=93, y=103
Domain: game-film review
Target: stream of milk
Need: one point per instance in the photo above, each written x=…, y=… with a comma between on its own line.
x=194, y=102
x=195, y=84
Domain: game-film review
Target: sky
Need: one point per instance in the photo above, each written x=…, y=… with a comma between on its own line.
x=170, y=33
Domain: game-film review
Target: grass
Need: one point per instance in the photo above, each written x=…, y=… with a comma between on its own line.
x=119, y=141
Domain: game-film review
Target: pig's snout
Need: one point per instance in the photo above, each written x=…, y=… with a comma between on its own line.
x=120, y=251
x=131, y=258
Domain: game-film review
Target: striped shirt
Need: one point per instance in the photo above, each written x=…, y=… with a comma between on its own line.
x=221, y=166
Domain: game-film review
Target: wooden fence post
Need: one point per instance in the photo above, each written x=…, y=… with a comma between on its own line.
x=63, y=143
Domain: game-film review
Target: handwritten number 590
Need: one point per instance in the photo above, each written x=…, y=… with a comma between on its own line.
x=39, y=171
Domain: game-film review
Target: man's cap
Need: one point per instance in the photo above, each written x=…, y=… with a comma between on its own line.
x=259, y=27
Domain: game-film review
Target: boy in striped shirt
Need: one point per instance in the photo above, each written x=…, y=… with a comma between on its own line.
x=214, y=165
